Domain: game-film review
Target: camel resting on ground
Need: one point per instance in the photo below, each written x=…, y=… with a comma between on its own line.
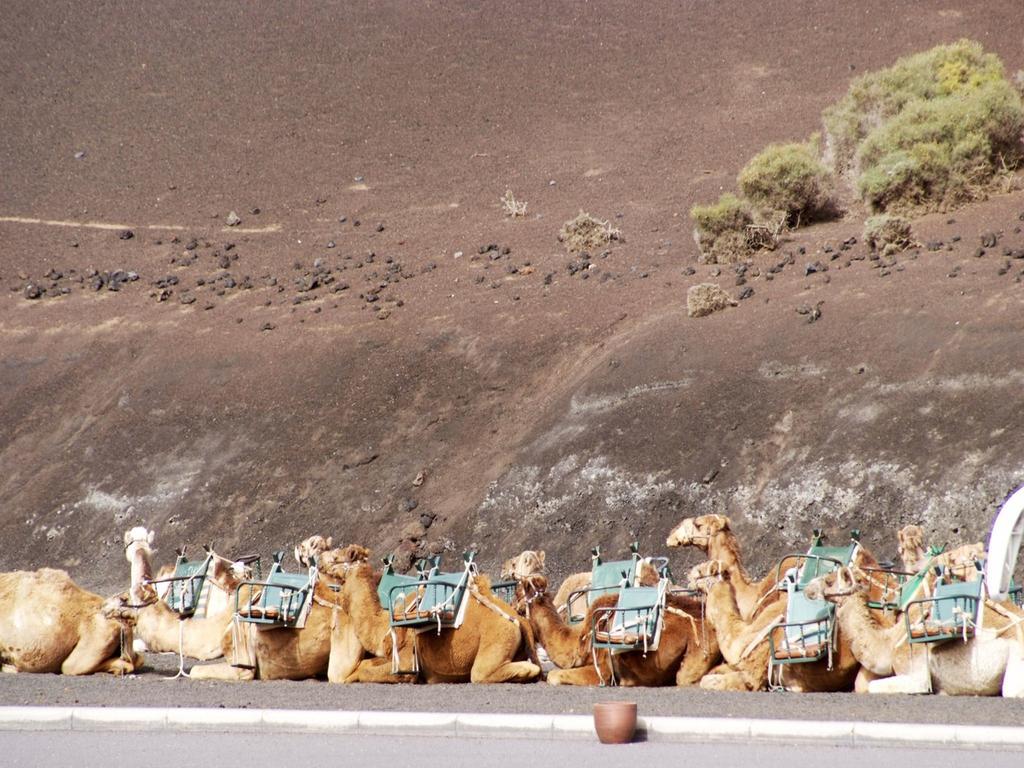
x=50, y=624
x=746, y=647
x=989, y=663
x=326, y=644
x=160, y=627
x=493, y=645
x=687, y=650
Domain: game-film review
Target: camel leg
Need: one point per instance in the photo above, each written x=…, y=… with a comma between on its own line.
x=725, y=678
x=585, y=675
x=377, y=670
x=346, y=652
x=509, y=672
x=695, y=666
x=864, y=678
x=224, y=672
x=97, y=648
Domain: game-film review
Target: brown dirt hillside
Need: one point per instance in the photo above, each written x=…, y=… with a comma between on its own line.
x=373, y=350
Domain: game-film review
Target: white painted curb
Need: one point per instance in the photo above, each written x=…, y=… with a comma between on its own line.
x=483, y=725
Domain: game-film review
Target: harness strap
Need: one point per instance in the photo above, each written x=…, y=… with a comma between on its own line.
x=760, y=638
x=475, y=592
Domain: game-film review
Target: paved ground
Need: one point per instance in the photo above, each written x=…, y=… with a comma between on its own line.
x=148, y=689
x=89, y=749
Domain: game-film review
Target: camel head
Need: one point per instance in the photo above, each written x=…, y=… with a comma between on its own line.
x=961, y=561
x=703, y=575
x=124, y=606
x=529, y=589
x=697, y=531
x=138, y=538
x=524, y=564
x=312, y=547
x=911, y=547
x=838, y=585
x=336, y=563
x=228, y=574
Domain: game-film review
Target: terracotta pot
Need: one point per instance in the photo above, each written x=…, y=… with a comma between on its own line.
x=615, y=721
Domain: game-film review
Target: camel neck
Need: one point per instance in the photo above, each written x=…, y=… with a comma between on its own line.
x=371, y=620
x=142, y=571
x=724, y=547
x=559, y=639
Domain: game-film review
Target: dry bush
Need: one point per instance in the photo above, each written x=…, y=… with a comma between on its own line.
x=888, y=233
x=729, y=231
x=511, y=206
x=587, y=233
x=704, y=298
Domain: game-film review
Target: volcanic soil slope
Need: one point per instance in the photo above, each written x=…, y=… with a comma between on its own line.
x=256, y=282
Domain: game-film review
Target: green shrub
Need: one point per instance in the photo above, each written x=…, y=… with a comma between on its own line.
x=722, y=229
x=888, y=234
x=930, y=131
x=790, y=178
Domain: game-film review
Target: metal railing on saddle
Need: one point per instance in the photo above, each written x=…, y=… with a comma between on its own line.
x=281, y=600
x=807, y=633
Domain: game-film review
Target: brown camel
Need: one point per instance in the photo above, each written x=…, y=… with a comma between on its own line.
x=316, y=650
x=160, y=627
x=713, y=535
x=687, y=650
x=745, y=645
x=990, y=662
x=50, y=624
x=914, y=555
x=493, y=645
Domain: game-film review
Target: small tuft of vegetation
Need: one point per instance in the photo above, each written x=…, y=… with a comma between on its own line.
x=705, y=298
x=930, y=132
x=587, y=233
x=789, y=178
x=730, y=231
x=511, y=206
x=888, y=234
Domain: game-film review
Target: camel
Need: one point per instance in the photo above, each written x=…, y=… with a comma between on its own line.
x=50, y=624
x=989, y=663
x=311, y=548
x=161, y=628
x=961, y=560
x=326, y=645
x=493, y=645
x=745, y=644
x=713, y=535
x=687, y=650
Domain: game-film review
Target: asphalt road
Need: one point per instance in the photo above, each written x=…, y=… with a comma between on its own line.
x=28, y=749
x=150, y=689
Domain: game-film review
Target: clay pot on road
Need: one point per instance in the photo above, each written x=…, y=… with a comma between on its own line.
x=615, y=721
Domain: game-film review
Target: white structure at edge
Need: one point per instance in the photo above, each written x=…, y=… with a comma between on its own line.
x=1004, y=545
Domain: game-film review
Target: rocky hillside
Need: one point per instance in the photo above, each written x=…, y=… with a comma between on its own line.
x=257, y=283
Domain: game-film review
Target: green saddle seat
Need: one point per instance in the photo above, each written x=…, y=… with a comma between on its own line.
x=282, y=596
x=951, y=612
x=634, y=622
x=186, y=586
